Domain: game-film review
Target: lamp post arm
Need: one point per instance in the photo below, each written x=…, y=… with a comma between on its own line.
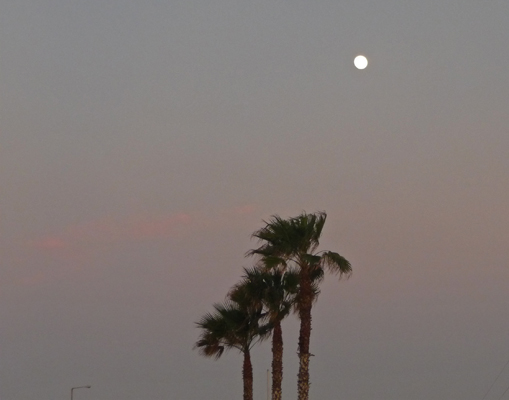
x=79, y=387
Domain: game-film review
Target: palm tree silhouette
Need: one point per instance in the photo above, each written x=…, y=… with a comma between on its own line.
x=293, y=243
x=275, y=291
x=233, y=324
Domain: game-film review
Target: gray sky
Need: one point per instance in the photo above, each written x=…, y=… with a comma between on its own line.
x=141, y=143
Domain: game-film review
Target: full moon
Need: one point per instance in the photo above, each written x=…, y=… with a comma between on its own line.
x=360, y=62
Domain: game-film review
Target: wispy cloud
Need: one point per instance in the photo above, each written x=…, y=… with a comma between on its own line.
x=110, y=230
x=48, y=243
x=137, y=228
x=245, y=209
x=72, y=250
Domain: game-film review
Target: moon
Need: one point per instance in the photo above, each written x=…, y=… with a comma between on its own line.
x=360, y=62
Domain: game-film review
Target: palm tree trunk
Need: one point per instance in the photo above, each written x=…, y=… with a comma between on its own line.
x=277, y=361
x=247, y=376
x=306, y=300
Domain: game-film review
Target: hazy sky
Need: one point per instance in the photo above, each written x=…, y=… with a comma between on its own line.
x=142, y=142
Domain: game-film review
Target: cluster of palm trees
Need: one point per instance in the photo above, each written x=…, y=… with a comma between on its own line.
x=285, y=278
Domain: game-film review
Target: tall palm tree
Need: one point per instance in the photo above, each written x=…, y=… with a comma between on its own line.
x=294, y=242
x=232, y=325
x=275, y=291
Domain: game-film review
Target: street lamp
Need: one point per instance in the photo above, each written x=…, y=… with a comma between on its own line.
x=79, y=387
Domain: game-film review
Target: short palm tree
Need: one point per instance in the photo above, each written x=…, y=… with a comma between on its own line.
x=275, y=291
x=233, y=325
x=293, y=242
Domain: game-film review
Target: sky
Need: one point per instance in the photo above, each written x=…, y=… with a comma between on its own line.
x=142, y=143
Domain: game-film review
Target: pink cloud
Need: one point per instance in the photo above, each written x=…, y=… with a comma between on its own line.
x=49, y=243
x=65, y=253
x=246, y=209
x=159, y=227
x=110, y=230
x=134, y=228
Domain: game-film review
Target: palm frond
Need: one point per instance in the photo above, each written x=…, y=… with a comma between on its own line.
x=277, y=237
x=336, y=263
x=232, y=324
x=311, y=260
x=273, y=290
x=319, y=223
x=272, y=262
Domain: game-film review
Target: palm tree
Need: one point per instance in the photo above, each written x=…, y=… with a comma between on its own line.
x=293, y=242
x=232, y=325
x=275, y=290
